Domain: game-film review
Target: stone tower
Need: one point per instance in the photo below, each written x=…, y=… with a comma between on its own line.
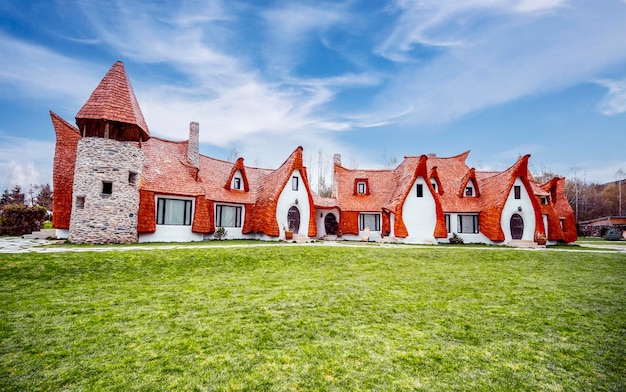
x=109, y=163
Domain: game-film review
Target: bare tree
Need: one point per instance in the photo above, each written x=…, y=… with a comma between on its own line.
x=233, y=155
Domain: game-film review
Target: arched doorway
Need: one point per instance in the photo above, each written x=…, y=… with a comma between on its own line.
x=517, y=227
x=293, y=219
x=330, y=224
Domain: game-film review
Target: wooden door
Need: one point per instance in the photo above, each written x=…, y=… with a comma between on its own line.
x=517, y=227
x=330, y=224
x=293, y=219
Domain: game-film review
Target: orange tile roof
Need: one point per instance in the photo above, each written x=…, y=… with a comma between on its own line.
x=114, y=100
x=563, y=210
x=67, y=137
x=381, y=185
x=166, y=169
x=495, y=193
x=452, y=175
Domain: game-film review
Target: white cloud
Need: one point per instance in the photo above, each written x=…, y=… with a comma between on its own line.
x=450, y=23
x=34, y=71
x=24, y=162
x=615, y=101
x=506, y=59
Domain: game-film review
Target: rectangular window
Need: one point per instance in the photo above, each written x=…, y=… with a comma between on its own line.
x=469, y=191
x=361, y=188
x=237, y=183
x=369, y=220
x=544, y=200
x=227, y=216
x=132, y=178
x=107, y=187
x=468, y=224
x=420, y=190
x=434, y=184
x=174, y=212
x=447, y=218
x=294, y=183
x=518, y=191
x=80, y=201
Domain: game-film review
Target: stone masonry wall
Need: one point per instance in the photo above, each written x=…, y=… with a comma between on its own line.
x=98, y=216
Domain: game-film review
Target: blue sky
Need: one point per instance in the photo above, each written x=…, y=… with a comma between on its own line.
x=371, y=80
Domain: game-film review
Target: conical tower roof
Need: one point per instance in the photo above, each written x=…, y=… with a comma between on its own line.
x=113, y=106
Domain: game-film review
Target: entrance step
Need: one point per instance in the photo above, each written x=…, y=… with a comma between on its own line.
x=525, y=244
x=301, y=238
x=40, y=235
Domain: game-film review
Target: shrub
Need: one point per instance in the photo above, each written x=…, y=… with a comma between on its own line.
x=220, y=233
x=613, y=234
x=456, y=239
x=17, y=219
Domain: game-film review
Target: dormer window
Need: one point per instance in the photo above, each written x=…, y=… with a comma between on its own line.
x=434, y=184
x=236, y=183
x=469, y=191
x=361, y=188
x=545, y=200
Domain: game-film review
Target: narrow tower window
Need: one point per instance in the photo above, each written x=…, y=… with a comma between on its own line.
x=107, y=187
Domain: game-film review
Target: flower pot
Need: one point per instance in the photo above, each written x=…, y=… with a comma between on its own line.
x=289, y=235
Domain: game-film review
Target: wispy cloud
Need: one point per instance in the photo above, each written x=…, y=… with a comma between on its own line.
x=34, y=71
x=506, y=58
x=615, y=101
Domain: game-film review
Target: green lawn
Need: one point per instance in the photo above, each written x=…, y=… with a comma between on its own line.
x=313, y=318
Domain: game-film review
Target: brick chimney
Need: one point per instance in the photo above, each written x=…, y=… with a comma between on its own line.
x=193, y=148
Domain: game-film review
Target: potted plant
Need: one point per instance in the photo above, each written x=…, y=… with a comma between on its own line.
x=288, y=233
x=540, y=238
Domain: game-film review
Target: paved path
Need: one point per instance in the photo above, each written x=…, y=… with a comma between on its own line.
x=23, y=245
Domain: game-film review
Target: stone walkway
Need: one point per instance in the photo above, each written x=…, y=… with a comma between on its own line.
x=26, y=245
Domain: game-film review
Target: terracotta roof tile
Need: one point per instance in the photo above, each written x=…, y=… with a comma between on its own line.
x=166, y=169
x=453, y=174
x=114, y=100
x=67, y=138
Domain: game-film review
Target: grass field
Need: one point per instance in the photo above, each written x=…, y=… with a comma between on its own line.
x=313, y=318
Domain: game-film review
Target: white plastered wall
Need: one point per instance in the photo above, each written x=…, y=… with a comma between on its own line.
x=419, y=214
x=320, y=216
x=522, y=206
x=287, y=199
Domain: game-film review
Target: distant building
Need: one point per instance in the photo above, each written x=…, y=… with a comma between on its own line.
x=599, y=226
x=115, y=183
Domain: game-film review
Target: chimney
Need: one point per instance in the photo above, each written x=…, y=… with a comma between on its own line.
x=193, y=148
x=336, y=161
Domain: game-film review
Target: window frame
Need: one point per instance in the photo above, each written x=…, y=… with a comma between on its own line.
x=361, y=188
x=469, y=191
x=161, y=206
x=419, y=189
x=448, y=220
x=475, y=223
x=219, y=208
x=294, y=183
x=362, y=224
x=237, y=183
x=517, y=192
